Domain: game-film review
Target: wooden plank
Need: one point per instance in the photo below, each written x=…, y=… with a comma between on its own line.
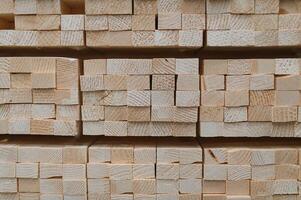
x=72, y=22
x=284, y=114
x=213, y=82
x=187, y=98
x=169, y=21
x=143, y=22
x=48, y=22
x=213, y=98
x=116, y=113
x=22, y=7
x=96, y=22
x=74, y=171
x=211, y=113
x=163, y=82
x=237, y=98
x=120, y=22
x=238, y=114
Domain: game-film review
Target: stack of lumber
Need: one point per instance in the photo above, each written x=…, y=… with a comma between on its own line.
x=140, y=97
x=140, y=171
x=39, y=96
x=42, y=23
x=104, y=170
x=237, y=173
x=107, y=23
x=250, y=98
x=45, y=172
x=240, y=23
x=144, y=23
x=149, y=23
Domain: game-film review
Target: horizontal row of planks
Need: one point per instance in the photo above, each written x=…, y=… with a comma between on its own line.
x=153, y=170
x=101, y=171
x=150, y=97
x=150, y=23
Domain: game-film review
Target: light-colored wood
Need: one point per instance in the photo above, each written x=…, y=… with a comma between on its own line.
x=48, y=22
x=120, y=22
x=27, y=170
x=261, y=82
x=242, y=6
x=20, y=81
x=143, y=171
x=144, y=154
x=122, y=154
x=213, y=98
x=116, y=113
x=72, y=38
x=139, y=114
x=235, y=114
x=74, y=171
x=8, y=170
x=51, y=186
x=143, y=22
x=94, y=7
x=46, y=81
x=72, y=22
x=284, y=114
x=240, y=66
x=115, y=128
x=237, y=98
x=163, y=82
x=28, y=22
x=49, y=7
x=144, y=186
x=121, y=171
x=282, y=100
x=168, y=171
x=210, y=113
x=74, y=187
x=287, y=66
x=98, y=186
x=95, y=66
x=8, y=153
x=138, y=98
x=291, y=82
x=20, y=95
x=8, y=7
x=188, y=82
x=75, y=154
x=92, y=83
x=213, y=82
x=50, y=170
x=98, y=170
x=238, y=82
x=215, y=172
x=212, y=67
x=96, y=22
x=22, y=7
x=138, y=82
x=169, y=21
x=162, y=113
x=66, y=128
x=187, y=98
x=259, y=113
x=162, y=98
x=8, y=185
x=42, y=127
x=99, y=153
x=262, y=98
x=139, y=128
x=115, y=82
